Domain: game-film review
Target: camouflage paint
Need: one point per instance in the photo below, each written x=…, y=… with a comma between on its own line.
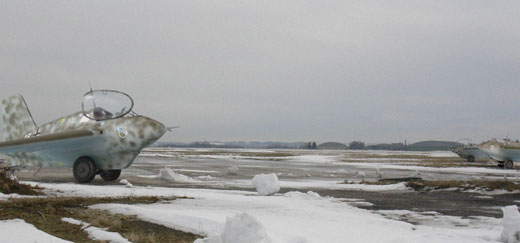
x=114, y=143
x=501, y=151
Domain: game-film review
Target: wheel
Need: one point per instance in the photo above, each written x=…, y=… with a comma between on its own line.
x=509, y=164
x=501, y=164
x=471, y=158
x=110, y=175
x=84, y=170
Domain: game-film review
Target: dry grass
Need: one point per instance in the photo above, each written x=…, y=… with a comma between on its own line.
x=465, y=185
x=46, y=213
x=422, y=185
x=8, y=186
x=133, y=228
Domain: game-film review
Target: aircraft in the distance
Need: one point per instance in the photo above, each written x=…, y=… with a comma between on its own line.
x=103, y=138
x=470, y=152
x=504, y=152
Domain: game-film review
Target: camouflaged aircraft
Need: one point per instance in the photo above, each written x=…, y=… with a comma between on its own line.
x=103, y=138
x=504, y=152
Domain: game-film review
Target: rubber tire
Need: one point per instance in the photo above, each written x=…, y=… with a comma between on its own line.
x=501, y=164
x=471, y=158
x=110, y=175
x=84, y=170
x=509, y=164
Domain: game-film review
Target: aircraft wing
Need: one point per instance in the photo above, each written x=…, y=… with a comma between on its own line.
x=45, y=142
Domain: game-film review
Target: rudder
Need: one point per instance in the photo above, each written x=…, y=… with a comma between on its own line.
x=17, y=119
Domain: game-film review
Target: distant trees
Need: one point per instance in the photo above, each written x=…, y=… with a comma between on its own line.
x=356, y=145
x=309, y=145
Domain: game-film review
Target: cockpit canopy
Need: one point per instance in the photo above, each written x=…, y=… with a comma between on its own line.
x=106, y=104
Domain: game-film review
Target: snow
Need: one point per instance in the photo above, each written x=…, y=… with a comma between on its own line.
x=334, y=185
x=315, y=158
x=233, y=170
x=240, y=228
x=126, y=182
x=266, y=184
x=198, y=171
x=461, y=170
x=96, y=233
x=289, y=217
x=510, y=224
x=4, y=197
x=170, y=175
x=205, y=178
x=17, y=230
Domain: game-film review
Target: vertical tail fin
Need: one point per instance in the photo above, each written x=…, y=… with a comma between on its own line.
x=17, y=119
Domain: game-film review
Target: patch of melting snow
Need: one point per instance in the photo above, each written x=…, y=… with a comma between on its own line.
x=286, y=217
x=96, y=233
x=17, y=230
x=438, y=220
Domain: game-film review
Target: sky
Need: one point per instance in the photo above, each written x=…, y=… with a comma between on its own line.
x=295, y=70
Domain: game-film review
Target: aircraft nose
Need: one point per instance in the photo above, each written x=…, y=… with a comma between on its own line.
x=158, y=128
x=153, y=131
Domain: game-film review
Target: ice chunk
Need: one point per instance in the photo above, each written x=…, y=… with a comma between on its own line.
x=266, y=184
x=233, y=170
x=126, y=182
x=240, y=228
x=170, y=175
x=313, y=194
x=511, y=224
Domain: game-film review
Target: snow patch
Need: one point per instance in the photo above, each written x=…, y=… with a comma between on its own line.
x=233, y=170
x=96, y=233
x=17, y=230
x=205, y=178
x=170, y=175
x=240, y=228
x=510, y=224
x=126, y=182
x=296, y=194
x=266, y=184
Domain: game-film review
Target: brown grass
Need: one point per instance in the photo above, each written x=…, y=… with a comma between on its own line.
x=46, y=213
x=8, y=186
x=465, y=185
x=421, y=185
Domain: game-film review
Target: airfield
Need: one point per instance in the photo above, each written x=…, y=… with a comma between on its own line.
x=325, y=195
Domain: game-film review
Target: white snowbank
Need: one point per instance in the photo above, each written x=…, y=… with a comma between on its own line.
x=170, y=175
x=17, y=230
x=510, y=224
x=266, y=184
x=96, y=233
x=240, y=228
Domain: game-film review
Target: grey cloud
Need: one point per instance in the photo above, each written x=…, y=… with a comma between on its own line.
x=275, y=70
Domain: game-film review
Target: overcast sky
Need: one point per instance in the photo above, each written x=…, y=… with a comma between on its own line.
x=378, y=71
